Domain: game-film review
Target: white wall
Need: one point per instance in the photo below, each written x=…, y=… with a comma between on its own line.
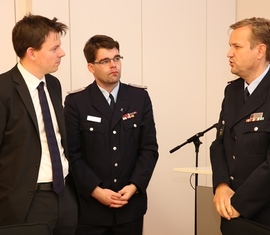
x=252, y=8
x=175, y=47
x=7, y=19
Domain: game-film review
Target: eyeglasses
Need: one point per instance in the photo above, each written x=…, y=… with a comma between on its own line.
x=107, y=61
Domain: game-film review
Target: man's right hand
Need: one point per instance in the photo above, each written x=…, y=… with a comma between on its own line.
x=222, y=201
x=108, y=197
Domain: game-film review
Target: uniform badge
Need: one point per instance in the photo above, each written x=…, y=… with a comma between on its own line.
x=75, y=91
x=129, y=115
x=255, y=117
x=221, y=130
x=138, y=86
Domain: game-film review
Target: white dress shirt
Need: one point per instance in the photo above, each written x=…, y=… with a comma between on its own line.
x=45, y=169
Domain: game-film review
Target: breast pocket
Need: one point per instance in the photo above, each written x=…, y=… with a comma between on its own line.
x=93, y=136
x=256, y=137
x=132, y=129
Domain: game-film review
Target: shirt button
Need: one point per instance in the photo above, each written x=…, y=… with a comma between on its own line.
x=115, y=180
x=116, y=164
x=231, y=177
x=233, y=157
x=114, y=132
x=91, y=128
x=256, y=128
x=223, y=122
x=114, y=148
x=135, y=125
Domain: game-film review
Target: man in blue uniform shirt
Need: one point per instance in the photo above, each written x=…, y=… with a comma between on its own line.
x=112, y=145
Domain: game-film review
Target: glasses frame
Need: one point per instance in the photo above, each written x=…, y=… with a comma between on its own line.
x=107, y=61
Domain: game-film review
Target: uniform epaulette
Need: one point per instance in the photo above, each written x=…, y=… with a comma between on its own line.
x=229, y=82
x=75, y=91
x=138, y=86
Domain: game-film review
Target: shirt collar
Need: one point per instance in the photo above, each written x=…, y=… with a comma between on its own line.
x=114, y=92
x=252, y=86
x=31, y=81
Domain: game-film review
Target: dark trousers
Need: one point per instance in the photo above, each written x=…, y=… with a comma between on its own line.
x=243, y=226
x=59, y=211
x=131, y=228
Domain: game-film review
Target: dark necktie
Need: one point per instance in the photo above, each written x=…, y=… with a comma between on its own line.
x=112, y=104
x=246, y=94
x=58, y=180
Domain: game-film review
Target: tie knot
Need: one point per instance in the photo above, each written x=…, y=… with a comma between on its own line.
x=246, y=94
x=40, y=86
x=111, y=97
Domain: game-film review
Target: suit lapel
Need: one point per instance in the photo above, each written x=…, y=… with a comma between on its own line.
x=24, y=94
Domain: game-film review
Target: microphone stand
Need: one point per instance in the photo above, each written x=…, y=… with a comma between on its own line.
x=196, y=140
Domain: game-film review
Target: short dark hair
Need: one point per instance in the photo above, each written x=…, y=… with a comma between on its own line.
x=32, y=30
x=260, y=32
x=96, y=42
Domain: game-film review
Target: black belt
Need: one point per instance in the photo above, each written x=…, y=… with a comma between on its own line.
x=44, y=187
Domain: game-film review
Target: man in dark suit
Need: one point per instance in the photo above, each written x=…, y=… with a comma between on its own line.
x=240, y=155
x=27, y=186
x=112, y=145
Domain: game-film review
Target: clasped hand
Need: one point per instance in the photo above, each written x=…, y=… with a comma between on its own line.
x=114, y=199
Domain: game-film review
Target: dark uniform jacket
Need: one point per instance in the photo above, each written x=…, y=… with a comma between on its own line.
x=111, y=149
x=20, y=147
x=241, y=152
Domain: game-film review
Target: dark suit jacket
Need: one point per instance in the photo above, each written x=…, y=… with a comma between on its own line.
x=240, y=155
x=93, y=131
x=20, y=147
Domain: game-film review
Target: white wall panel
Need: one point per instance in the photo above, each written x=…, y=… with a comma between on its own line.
x=252, y=8
x=22, y=7
x=7, y=19
x=185, y=66
x=174, y=52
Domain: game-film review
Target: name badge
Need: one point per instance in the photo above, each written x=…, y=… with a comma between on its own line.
x=93, y=118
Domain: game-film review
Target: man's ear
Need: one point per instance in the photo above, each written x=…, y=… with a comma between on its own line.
x=90, y=67
x=30, y=53
x=261, y=50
